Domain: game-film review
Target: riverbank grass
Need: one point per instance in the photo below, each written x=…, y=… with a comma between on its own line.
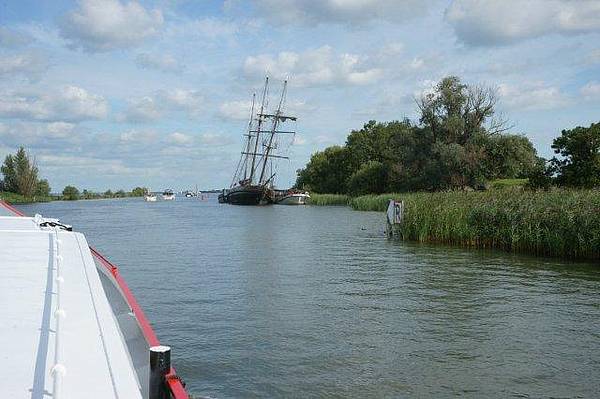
x=560, y=222
x=563, y=223
x=13, y=198
x=328, y=199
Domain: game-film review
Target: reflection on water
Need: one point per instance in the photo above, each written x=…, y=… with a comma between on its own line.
x=314, y=301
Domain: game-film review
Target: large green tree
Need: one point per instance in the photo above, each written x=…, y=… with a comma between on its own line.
x=70, y=193
x=579, y=148
x=458, y=143
x=328, y=171
x=21, y=174
x=139, y=191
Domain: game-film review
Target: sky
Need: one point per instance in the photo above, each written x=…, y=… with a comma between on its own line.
x=110, y=94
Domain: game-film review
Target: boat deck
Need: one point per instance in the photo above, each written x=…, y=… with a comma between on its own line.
x=60, y=337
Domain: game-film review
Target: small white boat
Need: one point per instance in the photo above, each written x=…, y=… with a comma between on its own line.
x=293, y=198
x=168, y=195
x=149, y=197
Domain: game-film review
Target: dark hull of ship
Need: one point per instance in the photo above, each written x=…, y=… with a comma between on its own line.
x=248, y=195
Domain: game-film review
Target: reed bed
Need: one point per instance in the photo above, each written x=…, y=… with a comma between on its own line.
x=564, y=223
x=328, y=199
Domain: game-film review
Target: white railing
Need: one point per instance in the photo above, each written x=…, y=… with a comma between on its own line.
x=59, y=370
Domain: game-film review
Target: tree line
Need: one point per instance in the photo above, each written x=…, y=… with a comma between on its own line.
x=20, y=176
x=459, y=142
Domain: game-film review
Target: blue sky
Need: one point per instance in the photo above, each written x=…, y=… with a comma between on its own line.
x=114, y=94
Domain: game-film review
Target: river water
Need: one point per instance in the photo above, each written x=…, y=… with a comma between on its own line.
x=315, y=302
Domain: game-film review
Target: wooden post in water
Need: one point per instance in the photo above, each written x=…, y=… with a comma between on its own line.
x=160, y=366
x=395, y=213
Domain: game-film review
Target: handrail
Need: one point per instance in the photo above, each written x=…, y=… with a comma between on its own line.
x=58, y=370
x=172, y=379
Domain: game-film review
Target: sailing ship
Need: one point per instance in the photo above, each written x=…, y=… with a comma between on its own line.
x=253, y=181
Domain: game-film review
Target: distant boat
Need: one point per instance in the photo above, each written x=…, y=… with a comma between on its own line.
x=168, y=195
x=149, y=197
x=189, y=194
x=292, y=197
x=254, y=178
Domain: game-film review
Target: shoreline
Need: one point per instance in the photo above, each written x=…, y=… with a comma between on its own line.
x=18, y=199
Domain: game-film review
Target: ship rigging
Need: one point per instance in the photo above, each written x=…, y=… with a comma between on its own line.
x=253, y=180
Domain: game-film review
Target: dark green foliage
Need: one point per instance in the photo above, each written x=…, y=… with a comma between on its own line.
x=108, y=194
x=20, y=174
x=369, y=178
x=579, y=165
x=509, y=156
x=42, y=188
x=457, y=146
x=139, y=192
x=70, y=193
x=540, y=176
x=327, y=172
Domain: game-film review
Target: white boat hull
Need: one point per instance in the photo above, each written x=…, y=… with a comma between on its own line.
x=150, y=198
x=168, y=197
x=294, y=199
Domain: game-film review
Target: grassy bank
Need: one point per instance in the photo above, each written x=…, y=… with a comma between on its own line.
x=563, y=223
x=328, y=199
x=14, y=198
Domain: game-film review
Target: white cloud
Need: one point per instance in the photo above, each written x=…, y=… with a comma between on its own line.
x=316, y=67
x=296, y=107
x=30, y=65
x=505, y=21
x=160, y=62
x=591, y=90
x=68, y=103
x=298, y=140
x=236, y=110
x=86, y=165
x=102, y=25
x=215, y=140
x=240, y=110
x=144, y=109
x=531, y=96
x=180, y=138
x=36, y=133
x=153, y=107
x=182, y=99
x=210, y=28
x=138, y=137
x=350, y=12
x=12, y=39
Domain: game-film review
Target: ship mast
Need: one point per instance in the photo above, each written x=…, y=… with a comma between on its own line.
x=276, y=117
x=243, y=162
x=258, y=127
x=249, y=144
x=264, y=162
